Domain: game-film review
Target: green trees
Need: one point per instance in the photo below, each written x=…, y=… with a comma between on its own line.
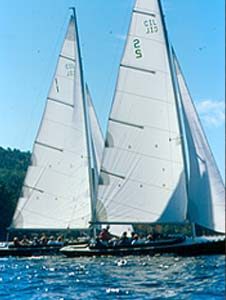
x=13, y=166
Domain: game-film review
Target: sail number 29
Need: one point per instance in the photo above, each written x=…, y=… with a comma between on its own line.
x=151, y=26
x=137, y=48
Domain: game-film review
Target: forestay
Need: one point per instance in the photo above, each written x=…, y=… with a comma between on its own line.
x=206, y=205
x=56, y=192
x=142, y=173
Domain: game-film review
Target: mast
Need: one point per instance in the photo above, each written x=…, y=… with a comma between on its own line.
x=87, y=133
x=172, y=71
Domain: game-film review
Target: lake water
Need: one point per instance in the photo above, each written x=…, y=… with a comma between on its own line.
x=159, y=277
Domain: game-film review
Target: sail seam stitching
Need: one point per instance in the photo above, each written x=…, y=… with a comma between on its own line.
x=139, y=181
x=65, y=125
x=146, y=155
x=71, y=78
x=145, y=38
x=150, y=184
x=131, y=207
x=146, y=97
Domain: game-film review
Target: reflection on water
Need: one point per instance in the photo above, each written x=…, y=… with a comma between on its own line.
x=159, y=277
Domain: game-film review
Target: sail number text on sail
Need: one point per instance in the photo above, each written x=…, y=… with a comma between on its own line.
x=137, y=47
x=150, y=27
x=70, y=67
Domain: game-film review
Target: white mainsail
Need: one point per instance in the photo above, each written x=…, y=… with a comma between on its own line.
x=56, y=192
x=206, y=205
x=142, y=172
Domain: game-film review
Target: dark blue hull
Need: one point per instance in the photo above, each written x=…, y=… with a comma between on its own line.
x=186, y=247
x=27, y=251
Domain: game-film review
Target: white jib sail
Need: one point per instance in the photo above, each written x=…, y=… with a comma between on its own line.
x=96, y=132
x=206, y=205
x=142, y=173
x=56, y=193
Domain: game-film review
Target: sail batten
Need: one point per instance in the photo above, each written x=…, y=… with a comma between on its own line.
x=148, y=155
x=48, y=146
x=67, y=57
x=61, y=102
x=126, y=123
x=144, y=13
x=56, y=192
x=137, y=69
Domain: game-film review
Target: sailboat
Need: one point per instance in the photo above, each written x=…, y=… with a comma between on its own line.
x=157, y=166
x=59, y=187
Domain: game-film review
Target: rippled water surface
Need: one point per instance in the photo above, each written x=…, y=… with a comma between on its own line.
x=159, y=277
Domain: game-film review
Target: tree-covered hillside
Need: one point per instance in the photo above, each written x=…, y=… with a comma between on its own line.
x=13, y=166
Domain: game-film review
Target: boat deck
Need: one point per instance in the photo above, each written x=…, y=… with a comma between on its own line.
x=187, y=247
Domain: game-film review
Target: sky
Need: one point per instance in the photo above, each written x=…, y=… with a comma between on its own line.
x=31, y=34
